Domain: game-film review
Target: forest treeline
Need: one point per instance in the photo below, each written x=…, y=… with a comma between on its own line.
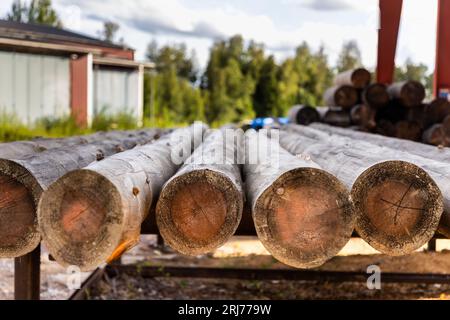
x=242, y=80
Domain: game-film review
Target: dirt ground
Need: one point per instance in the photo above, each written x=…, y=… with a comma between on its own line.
x=245, y=252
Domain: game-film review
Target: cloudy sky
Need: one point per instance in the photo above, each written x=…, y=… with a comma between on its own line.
x=281, y=25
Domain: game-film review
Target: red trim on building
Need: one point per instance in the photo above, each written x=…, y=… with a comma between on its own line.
x=390, y=14
x=79, y=89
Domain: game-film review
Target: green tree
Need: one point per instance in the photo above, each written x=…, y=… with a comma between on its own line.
x=304, y=78
x=350, y=56
x=265, y=97
x=176, y=55
x=38, y=11
x=18, y=12
x=109, y=31
x=229, y=84
x=170, y=94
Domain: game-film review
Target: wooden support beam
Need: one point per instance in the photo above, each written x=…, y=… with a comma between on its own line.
x=27, y=276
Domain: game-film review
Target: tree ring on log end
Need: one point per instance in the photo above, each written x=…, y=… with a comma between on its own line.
x=309, y=223
x=19, y=194
x=81, y=219
x=199, y=211
x=398, y=207
x=360, y=78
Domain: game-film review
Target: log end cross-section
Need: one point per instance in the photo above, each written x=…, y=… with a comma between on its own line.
x=398, y=207
x=199, y=211
x=81, y=218
x=304, y=218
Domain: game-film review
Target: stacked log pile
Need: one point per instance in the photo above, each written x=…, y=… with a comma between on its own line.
x=397, y=110
x=306, y=188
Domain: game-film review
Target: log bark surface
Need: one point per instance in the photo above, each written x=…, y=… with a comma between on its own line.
x=409, y=93
x=358, y=78
x=339, y=118
x=396, y=194
x=376, y=96
x=341, y=96
x=419, y=149
x=23, y=180
x=302, y=214
x=303, y=115
x=436, y=111
x=92, y=215
x=20, y=149
x=200, y=207
x=363, y=116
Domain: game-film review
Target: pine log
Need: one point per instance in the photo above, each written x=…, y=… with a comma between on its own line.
x=200, y=207
x=92, y=215
x=436, y=111
x=446, y=126
x=358, y=78
x=418, y=115
x=409, y=93
x=393, y=112
x=435, y=135
x=303, y=115
x=376, y=96
x=302, y=214
x=22, y=182
x=364, y=116
x=20, y=149
x=341, y=96
x=396, y=195
x=419, y=149
x=385, y=128
x=408, y=130
x=337, y=117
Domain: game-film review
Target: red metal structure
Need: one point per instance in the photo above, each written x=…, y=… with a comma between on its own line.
x=442, y=69
x=390, y=13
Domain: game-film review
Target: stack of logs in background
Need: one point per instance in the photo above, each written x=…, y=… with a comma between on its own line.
x=397, y=110
x=306, y=190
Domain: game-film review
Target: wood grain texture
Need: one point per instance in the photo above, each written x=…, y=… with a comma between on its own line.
x=200, y=207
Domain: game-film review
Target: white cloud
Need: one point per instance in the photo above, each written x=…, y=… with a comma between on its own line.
x=171, y=21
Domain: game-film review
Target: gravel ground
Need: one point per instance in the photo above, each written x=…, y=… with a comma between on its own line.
x=244, y=252
x=249, y=253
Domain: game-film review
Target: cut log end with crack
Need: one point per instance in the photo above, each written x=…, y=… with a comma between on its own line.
x=398, y=207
